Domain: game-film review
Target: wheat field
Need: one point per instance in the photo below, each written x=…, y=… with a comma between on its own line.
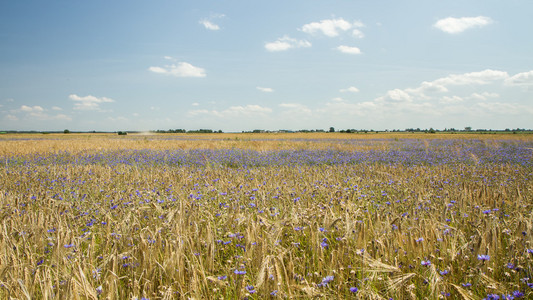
x=233, y=216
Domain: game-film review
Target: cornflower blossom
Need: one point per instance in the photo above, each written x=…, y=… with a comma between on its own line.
x=326, y=280
x=483, y=257
x=250, y=289
x=353, y=289
x=324, y=243
x=426, y=263
x=237, y=272
x=517, y=294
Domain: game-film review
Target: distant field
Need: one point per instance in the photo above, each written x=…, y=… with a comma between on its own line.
x=229, y=216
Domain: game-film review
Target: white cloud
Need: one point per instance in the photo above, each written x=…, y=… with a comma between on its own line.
x=286, y=43
x=351, y=89
x=520, y=79
x=265, y=89
x=480, y=78
x=31, y=109
x=442, y=85
x=330, y=27
x=358, y=33
x=46, y=117
x=182, y=69
x=458, y=25
x=195, y=104
x=209, y=25
x=435, y=87
x=36, y=113
x=88, y=102
x=56, y=108
x=396, y=95
x=349, y=50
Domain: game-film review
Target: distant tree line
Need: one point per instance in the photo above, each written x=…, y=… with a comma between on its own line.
x=187, y=131
x=331, y=129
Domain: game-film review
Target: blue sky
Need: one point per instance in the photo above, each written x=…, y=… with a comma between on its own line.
x=244, y=65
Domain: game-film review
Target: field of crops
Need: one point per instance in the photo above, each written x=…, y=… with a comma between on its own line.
x=232, y=216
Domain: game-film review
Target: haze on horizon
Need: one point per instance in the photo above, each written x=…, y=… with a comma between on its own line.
x=245, y=65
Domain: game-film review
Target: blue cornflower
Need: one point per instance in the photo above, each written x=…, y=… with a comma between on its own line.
x=353, y=289
x=223, y=277
x=237, y=272
x=250, y=289
x=483, y=257
x=326, y=280
x=426, y=263
x=518, y=294
x=323, y=243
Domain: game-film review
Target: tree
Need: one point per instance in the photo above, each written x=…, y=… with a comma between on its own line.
x=66, y=131
x=332, y=129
